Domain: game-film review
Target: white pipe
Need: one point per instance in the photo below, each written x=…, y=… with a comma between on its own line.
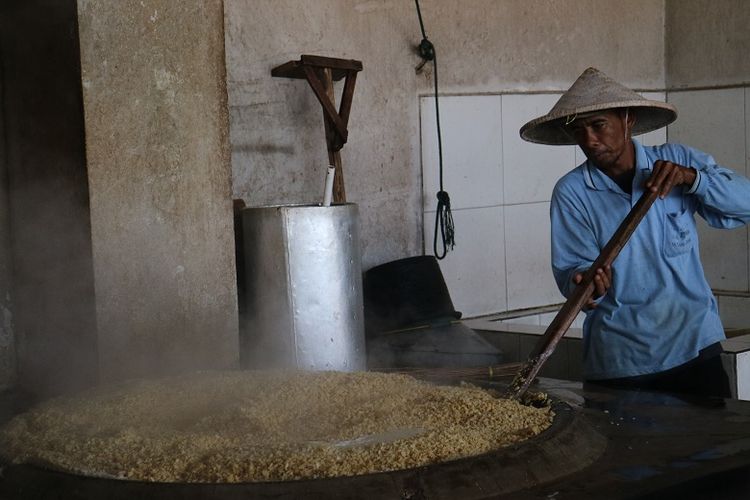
x=328, y=193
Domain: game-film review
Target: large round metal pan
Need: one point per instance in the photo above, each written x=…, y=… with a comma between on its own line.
x=570, y=444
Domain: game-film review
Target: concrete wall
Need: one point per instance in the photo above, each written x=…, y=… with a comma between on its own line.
x=708, y=76
x=707, y=43
x=158, y=159
x=517, y=45
x=484, y=46
x=277, y=134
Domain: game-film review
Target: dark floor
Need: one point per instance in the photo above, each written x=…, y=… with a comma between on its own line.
x=13, y=402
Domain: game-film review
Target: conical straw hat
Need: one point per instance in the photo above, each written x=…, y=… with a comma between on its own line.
x=595, y=91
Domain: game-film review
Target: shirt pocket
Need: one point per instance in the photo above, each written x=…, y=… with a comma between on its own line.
x=679, y=233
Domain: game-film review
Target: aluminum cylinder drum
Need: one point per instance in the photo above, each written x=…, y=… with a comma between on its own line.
x=303, y=288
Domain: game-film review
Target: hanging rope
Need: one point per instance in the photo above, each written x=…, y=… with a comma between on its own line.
x=443, y=215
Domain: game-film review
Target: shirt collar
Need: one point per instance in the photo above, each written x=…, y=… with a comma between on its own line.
x=597, y=180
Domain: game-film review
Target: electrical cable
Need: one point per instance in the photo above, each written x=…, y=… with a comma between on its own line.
x=443, y=215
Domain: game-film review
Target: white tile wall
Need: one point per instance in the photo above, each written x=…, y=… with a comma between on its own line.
x=734, y=311
x=527, y=256
x=712, y=121
x=657, y=137
x=724, y=253
x=546, y=319
x=533, y=320
x=743, y=376
x=747, y=159
x=530, y=170
x=475, y=270
x=500, y=187
x=580, y=156
x=488, y=171
x=472, y=151
x=715, y=121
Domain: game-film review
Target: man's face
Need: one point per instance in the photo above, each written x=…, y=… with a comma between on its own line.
x=601, y=136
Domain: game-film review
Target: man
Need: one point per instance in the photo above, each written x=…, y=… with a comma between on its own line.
x=653, y=322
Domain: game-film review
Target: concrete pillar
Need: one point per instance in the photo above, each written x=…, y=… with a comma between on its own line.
x=154, y=93
x=115, y=196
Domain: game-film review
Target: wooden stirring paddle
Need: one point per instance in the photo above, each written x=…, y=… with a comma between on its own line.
x=580, y=296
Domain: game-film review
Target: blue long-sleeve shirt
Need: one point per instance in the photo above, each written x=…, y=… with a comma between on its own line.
x=659, y=311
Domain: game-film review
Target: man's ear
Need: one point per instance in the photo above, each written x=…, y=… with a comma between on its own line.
x=629, y=121
x=630, y=117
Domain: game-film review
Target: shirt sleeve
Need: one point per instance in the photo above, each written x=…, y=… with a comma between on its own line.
x=696, y=183
x=574, y=246
x=723, y=195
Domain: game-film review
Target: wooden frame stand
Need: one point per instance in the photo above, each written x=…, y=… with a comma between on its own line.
x=320, y=73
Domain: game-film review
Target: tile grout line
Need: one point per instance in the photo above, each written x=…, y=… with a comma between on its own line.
x=499, y=205
x=502, y=179
x=747, y=172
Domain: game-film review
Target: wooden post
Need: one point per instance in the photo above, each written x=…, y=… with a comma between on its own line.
x=334, y=152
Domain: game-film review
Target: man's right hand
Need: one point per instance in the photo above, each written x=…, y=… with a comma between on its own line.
x=602, y=282
x=666, y=175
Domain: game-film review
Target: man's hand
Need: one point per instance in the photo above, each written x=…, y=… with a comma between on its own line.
x=602, y=282
x=667, y=175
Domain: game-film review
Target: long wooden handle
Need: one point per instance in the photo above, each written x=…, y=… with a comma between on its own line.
x=580, y=296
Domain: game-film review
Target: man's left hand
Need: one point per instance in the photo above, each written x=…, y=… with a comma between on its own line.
x=666, y=175
x=602, y=282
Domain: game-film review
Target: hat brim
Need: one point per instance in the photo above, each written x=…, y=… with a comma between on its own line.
x=550, y=128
